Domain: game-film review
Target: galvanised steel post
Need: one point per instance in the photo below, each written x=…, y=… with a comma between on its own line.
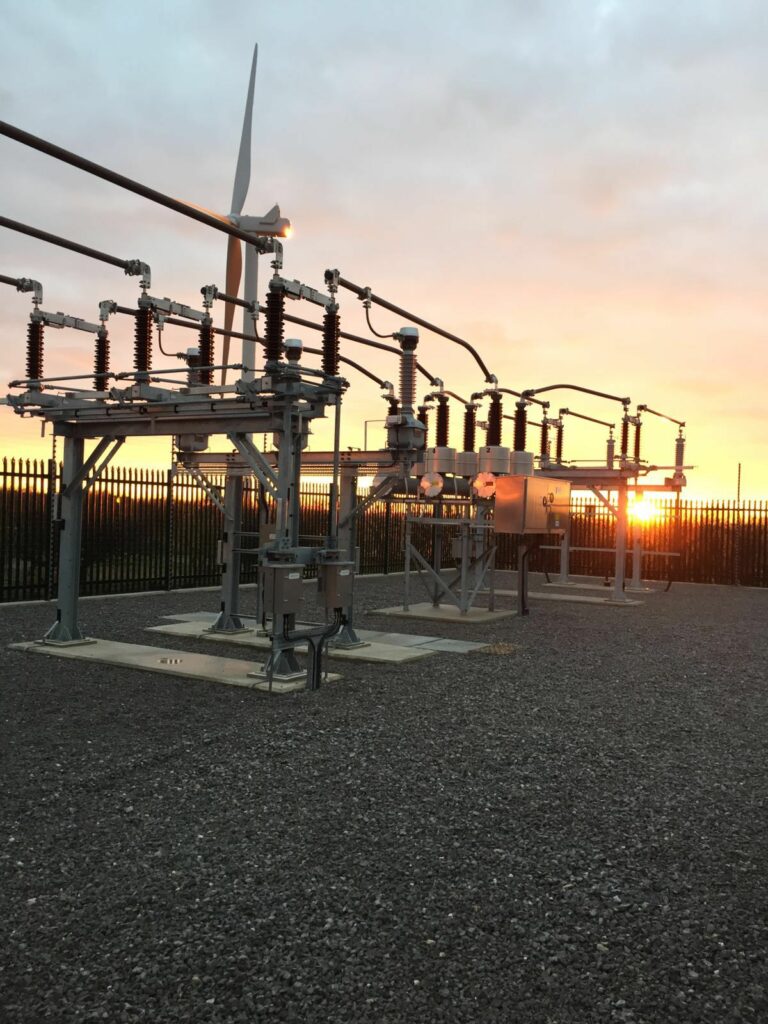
x=228, y=620
x=347, y=637
x=565, y=554
x=621, y=543
x=65, y=629
x=637, y=558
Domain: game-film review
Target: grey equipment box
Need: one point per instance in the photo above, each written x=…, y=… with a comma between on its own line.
x=283, y=588
x=334, y=583
x=531, y=504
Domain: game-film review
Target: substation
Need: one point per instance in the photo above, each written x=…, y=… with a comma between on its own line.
x=277, y=387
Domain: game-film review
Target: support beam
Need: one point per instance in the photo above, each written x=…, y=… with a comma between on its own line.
x=347, y=638
x=90, y=463
x=257, y=462
x=228, y=620
x=206, y=487
x=565, y=555
x=65, y=629
x=621, y=545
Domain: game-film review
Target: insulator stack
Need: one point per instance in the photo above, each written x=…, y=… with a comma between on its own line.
x=610, y=452
x=624, y=438
x=407, y=379
x=394, y=406
x=205, y=353
x=101, y=360
x=194, y=377
x=273, y=345
x=521, y=424
x=441, y=432
x=470, y=419
x=35, y=350
x=544, y=443
x=559, y=446
x=637, y=442
x=424, y=418
x=142, y=345
x=330, y=360
x=493, y=433
x=679, y=452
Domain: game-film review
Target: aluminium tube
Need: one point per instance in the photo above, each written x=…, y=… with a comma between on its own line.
x=363, y=293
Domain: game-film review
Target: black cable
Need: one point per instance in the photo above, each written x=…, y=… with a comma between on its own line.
x=370, y=325
x=349, y=362
x=171, y=355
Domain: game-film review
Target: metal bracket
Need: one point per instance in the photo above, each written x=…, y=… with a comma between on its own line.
x=202, y=482
x=296, y=290
x=381, y=491
x=59, y=320
x=604, y=501
x=167, y=306
x=85, y=476
x=254, y=458
x=421, y=563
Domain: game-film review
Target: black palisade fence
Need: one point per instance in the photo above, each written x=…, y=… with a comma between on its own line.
x=156, y=530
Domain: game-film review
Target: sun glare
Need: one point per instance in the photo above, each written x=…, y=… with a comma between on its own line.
x=643, y=510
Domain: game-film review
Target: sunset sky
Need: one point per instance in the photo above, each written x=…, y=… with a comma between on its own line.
x=578, y=188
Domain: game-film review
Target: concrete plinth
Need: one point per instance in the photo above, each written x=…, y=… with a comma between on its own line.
x=573, y=598
x=378, y=652
x=379, y=644
x=444, y=613
x=165, y=661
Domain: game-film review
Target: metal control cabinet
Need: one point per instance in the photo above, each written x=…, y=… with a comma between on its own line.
x=531, y=504
x=283, y=588
x=334, y=583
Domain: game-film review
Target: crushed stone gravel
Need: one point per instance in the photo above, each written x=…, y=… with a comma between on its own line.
x=568, y=828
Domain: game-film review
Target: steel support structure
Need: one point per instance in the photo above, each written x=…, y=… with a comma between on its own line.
x=476, y=556
x=347, y=638
x=228, y=619
x=66, y=629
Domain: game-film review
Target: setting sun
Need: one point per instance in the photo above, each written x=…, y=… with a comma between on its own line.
x=643, y=510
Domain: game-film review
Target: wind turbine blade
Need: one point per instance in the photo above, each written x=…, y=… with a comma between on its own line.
x=243, y=172
x=232, y=286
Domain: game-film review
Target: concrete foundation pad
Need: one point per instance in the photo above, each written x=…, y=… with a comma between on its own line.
x=373, y=638
x=371, y=652
x=572, y=598
x=165, y=661
x=577, y=586
x=69, y=643
x=444, y=613
x=230, y=632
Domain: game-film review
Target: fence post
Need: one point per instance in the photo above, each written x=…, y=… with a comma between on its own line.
x=169, y=529
x=50, y=499
x=387, y=527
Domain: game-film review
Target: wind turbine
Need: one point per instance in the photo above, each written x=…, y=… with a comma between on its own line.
x=271, y=225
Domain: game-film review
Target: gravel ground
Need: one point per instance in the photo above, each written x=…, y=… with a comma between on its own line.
x=571, y=831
